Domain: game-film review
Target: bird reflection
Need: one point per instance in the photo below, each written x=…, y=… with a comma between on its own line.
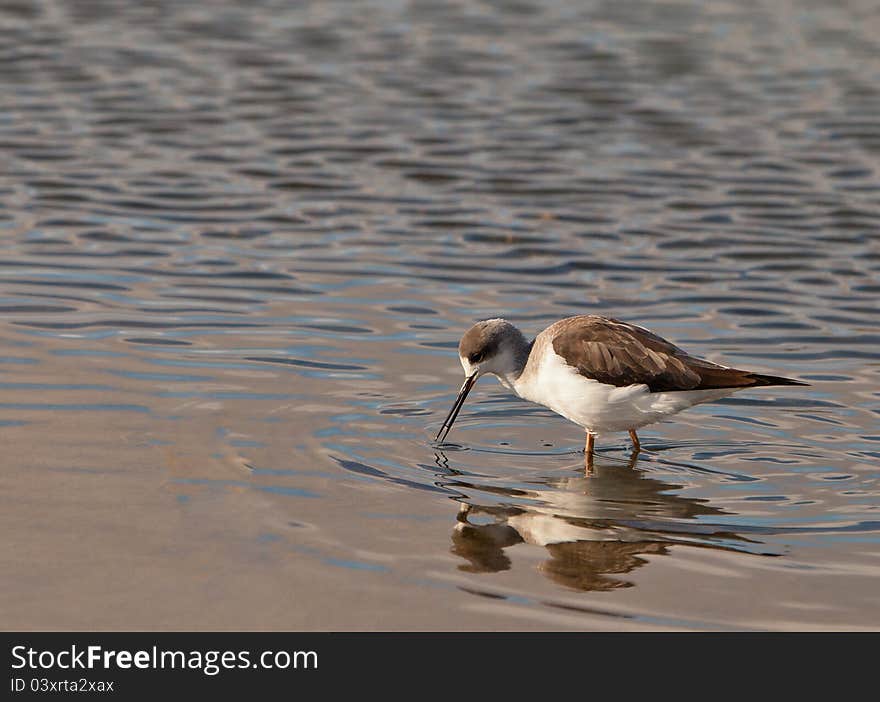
x=595, y=526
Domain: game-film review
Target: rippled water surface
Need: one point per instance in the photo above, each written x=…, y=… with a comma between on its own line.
x=240, y=243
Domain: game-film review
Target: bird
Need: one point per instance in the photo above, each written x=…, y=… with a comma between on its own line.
x=601, y=373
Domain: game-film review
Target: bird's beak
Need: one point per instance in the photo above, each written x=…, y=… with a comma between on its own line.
x=456, y=408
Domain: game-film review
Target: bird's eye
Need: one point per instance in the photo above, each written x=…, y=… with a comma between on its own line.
x=476, y=357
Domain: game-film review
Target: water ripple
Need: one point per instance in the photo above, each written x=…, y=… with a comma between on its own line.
x=253, y=237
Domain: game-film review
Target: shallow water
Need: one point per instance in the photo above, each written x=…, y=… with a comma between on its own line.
x=239, y=246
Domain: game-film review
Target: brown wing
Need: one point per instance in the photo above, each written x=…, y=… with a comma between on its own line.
x=617, y=353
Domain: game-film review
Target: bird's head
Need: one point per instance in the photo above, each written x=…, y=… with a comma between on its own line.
x=491, y=346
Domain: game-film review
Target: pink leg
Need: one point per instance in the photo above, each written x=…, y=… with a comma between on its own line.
x=635, y=439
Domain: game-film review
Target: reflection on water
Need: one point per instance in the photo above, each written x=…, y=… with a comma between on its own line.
x=240, y=244
x=592, y=526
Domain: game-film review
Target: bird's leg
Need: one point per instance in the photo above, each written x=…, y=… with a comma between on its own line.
x=588, y=452
x=635, y=439
x=633, y=460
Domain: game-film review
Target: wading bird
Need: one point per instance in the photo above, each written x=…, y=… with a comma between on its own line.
x=600, y=373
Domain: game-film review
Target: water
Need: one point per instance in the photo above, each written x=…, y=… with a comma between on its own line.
x=239, y=246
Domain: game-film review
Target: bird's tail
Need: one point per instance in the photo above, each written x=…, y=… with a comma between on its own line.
x=760, y=379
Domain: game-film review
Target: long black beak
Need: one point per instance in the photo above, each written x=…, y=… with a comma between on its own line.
x=456, y=408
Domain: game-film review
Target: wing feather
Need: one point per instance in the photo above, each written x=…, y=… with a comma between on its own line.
x=620, y=354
